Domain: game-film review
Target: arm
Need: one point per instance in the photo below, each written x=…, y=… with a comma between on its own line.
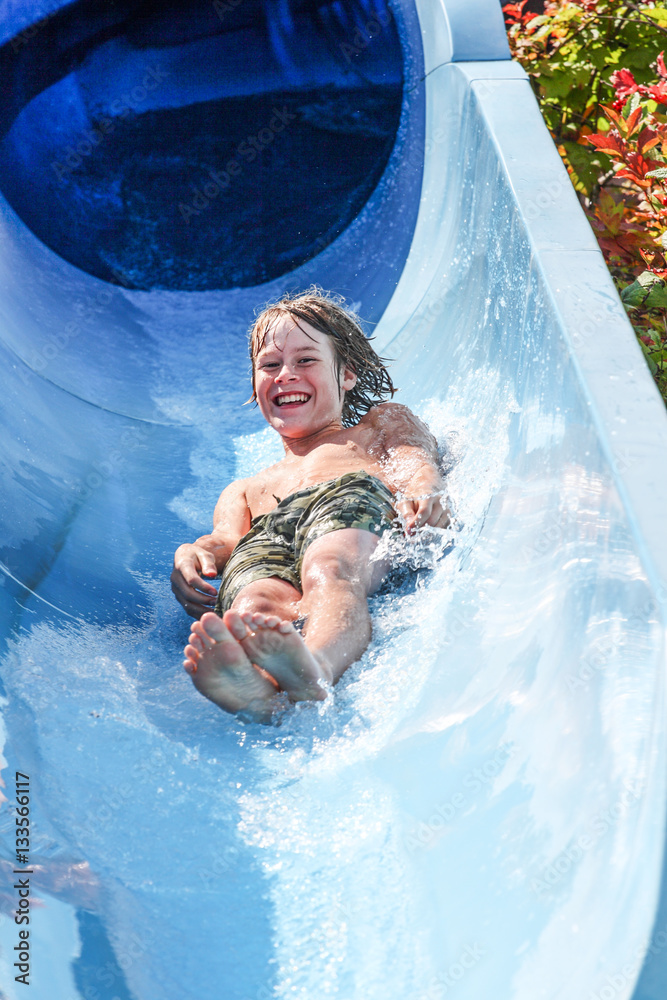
x=410, y=460
x=208, y=555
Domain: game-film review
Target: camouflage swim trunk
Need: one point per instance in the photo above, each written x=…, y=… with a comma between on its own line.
x=277, y=541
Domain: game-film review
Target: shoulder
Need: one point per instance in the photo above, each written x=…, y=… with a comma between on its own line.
x=236, y=489
x=385, y=414
x=390, y=419
x=234, y=495
x=395, y=425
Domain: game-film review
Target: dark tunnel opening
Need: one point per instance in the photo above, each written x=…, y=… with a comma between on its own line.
x=199, y=146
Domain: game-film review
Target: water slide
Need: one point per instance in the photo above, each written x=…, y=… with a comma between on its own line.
x=479, y=810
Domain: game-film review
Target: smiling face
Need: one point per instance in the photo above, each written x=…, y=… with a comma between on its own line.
x=299, y=388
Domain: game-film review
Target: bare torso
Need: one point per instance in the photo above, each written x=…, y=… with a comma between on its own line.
x=389, y=443
x=352, y=449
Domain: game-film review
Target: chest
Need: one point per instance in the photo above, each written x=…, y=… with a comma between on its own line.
x=329, y=461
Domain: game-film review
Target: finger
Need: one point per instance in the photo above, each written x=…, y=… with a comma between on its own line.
x=194, y=609
x=208, y=566
x=441, y=516
x=199, y=585
x=424, y=512
x=445, y=519
x=406, y=511
x=185, y=593
x=185, y=575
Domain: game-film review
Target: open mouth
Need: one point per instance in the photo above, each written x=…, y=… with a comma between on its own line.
x=291, y=397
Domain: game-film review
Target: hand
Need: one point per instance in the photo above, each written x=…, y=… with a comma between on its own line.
x=430, y=509
x=191, y=564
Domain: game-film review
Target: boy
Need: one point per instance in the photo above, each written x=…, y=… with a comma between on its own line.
x=297, y=540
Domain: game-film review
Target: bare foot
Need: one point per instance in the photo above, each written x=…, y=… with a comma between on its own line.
x=276, y=647
x=221, y=670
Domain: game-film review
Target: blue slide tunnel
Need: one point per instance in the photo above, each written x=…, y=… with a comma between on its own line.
x=479, y=810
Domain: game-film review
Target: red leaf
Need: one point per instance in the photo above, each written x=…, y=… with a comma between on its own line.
x=636, y=167
x=624, y=83
x=632, y=120
x=614, y=117
x=514, y=12
x=611, y=143
x=658, y=92
x=647, y=139
x=660, y=63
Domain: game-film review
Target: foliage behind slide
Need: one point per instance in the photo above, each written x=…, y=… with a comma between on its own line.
x=598, y=70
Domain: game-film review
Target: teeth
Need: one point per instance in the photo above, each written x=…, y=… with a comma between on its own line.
x=292, y=397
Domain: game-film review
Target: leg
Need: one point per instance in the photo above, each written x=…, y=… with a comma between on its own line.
x=217, y=663
x=337, y=577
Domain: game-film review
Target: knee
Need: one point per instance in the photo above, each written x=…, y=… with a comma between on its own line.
x=333, y=569
x=261, y=598
x=257, y=601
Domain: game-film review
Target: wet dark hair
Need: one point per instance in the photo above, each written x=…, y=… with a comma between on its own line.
x=329, y=314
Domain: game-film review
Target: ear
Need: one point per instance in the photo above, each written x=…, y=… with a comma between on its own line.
x=348, y=379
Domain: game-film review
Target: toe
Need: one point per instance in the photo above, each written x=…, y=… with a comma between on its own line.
x=200, y=633
x=258, y=620
x=191, y=653
x=272, y=621
x=236, y=625
x=214, y=627
x=286, y=627
x=197, y=642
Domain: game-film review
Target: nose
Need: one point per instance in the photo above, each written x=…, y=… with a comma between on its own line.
x=286, y=374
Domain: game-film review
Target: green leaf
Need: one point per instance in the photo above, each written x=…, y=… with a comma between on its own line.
x=660, y=173
x=586, y=163
x=631, y=105
x=649, y=360
x=647, y=292
x=655, y=14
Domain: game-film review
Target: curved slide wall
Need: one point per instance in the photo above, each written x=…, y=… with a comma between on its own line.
x=480, y=809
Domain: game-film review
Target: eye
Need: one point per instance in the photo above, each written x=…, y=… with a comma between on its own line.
x=268, y=364
x=302, y=360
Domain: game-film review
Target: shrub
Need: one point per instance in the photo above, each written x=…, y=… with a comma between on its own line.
x=601, y=81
